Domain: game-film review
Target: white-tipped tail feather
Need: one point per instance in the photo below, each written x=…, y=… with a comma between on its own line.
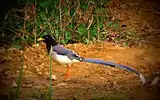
x=112, y=64
x=142, y=78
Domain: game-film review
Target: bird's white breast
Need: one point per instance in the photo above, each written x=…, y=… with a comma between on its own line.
x=62, y=59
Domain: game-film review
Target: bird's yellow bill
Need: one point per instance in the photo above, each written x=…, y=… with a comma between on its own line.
x=40, y=39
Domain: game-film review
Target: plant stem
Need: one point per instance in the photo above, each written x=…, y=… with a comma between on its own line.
x=20, y=78
x=50, y=88
x=14, y=32
x=90, y=23
x=24, y=25
x=72, y=18
x=35, y=27
x=89, y=35
x=97, y=25
x=60, y=18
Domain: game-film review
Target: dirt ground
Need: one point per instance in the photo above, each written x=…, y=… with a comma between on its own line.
x=90, y=81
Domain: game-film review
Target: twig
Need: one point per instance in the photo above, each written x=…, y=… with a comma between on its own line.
x=88, y=4
x=97, y=25
x=68, y=10
x=35, y=27
x=18, y=17
x=73, y=14
x=21, y=18
x=42, y=30
x=17, y=10
x=76, y=9
x=90, y=22
x=14, y=32
x=60, y=18
x=76, y=26
x=49, y=24
x=24, y=25
x=88, y=35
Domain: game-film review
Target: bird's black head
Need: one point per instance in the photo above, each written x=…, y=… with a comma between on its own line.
x=48, y=39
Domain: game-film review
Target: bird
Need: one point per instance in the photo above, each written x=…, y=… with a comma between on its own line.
x=66, y=56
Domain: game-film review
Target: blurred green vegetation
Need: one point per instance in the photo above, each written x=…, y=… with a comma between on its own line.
x=67, y=20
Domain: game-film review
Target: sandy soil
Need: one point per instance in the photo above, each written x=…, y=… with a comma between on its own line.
x=87, y=81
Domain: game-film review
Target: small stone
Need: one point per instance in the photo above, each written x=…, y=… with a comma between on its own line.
x=35, y=45
x=155, y=81
x=27, y=85
x=102, y=78
x=14, y=84
x=54, y=77
x=24, y=66
x=62, y=84
x=40, y=73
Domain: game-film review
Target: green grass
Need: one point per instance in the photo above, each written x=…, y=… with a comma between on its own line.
x=63, y=20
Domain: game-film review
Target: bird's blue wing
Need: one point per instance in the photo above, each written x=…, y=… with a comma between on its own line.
x=60, y=50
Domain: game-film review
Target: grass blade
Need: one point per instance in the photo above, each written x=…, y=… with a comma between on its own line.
x=50, y=88
x=20, y=78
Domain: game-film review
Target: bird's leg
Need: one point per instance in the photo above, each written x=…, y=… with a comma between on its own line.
x=68, y=71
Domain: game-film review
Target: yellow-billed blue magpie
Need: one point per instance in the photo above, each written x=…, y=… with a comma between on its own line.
x=65, y=56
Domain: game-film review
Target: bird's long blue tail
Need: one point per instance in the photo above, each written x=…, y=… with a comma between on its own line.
x=112, y=64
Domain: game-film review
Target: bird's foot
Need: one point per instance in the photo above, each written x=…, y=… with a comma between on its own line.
x=66, y=76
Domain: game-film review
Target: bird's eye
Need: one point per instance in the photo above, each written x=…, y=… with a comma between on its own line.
x=76, y=55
